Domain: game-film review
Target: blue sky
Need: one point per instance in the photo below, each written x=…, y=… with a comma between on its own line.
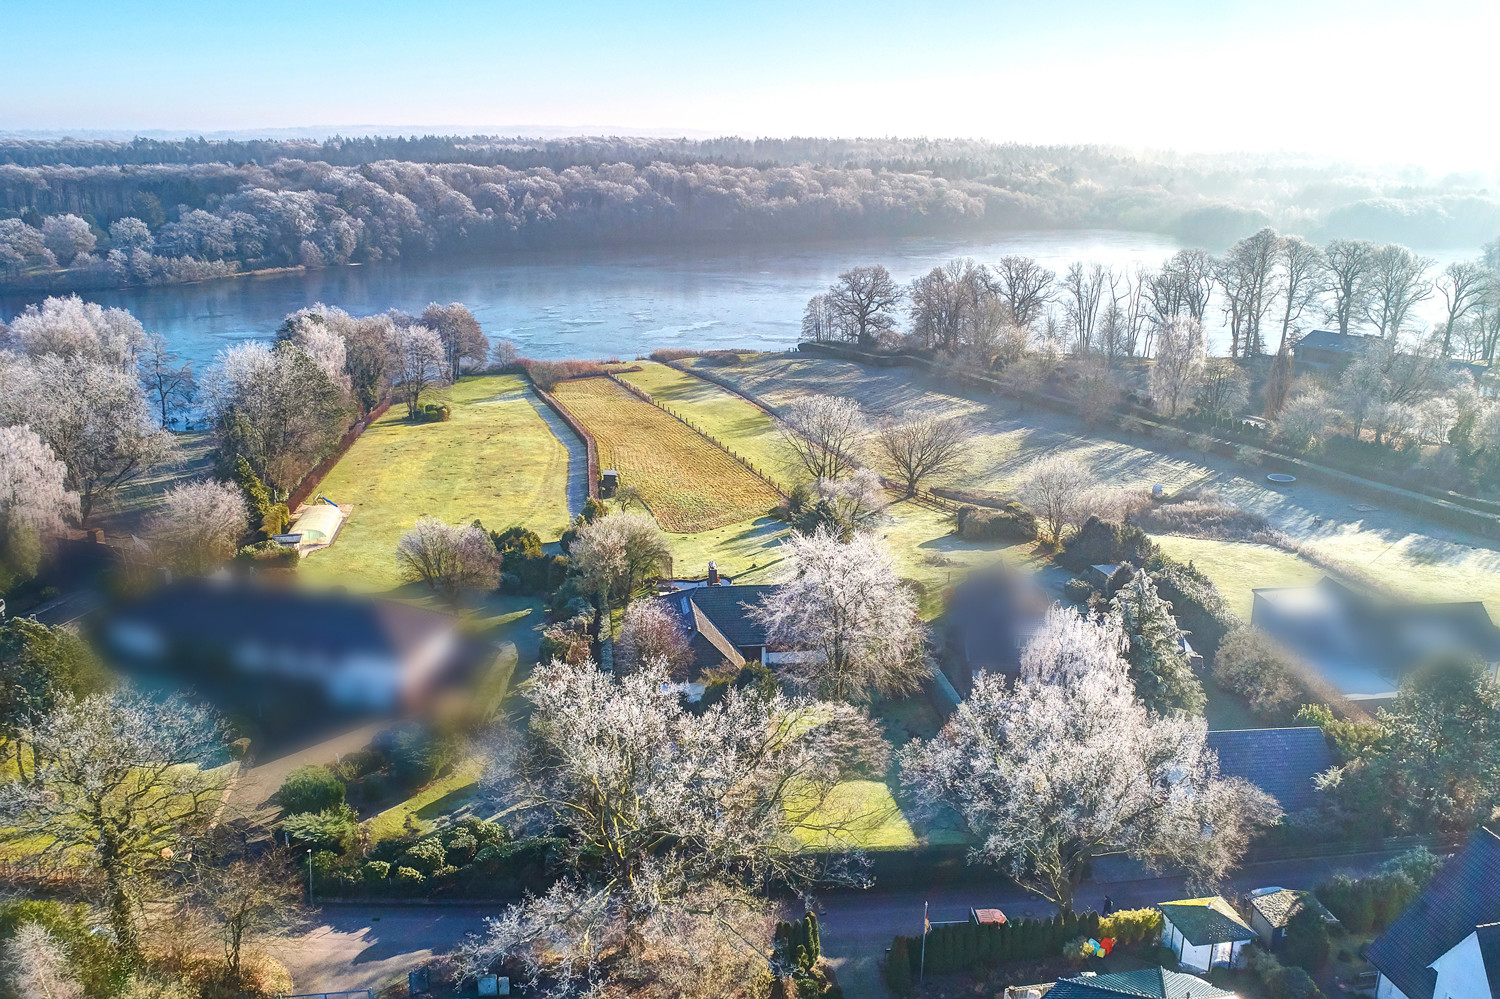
x=1370, y=80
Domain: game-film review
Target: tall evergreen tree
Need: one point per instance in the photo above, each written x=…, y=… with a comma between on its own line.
x=1156, y=655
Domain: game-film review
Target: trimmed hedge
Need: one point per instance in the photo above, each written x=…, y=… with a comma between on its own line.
x=1011, y=522
x=967, y=946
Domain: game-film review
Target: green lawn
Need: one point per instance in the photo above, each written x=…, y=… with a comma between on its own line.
x=443, y=797
x=1237, y=568
x=496, y=460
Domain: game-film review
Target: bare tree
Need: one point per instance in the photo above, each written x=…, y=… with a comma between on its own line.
x=1026, y=287
x=824, y=433
x=1248, y=276
x=1178, y=369
x=1025, y=768
x=1051, y=489
x=462, y=337
x=247, y=901
x=119, y=778
x=618, y=553
x=1095, y=390
x=919, y=445
x=1462, y=284
x=418, y=353
x=1397, y=283
x=167, y=383
x=851, y=625
x=821, y=322
x=1082, y=294
x=503, y=354
x=1302, y=271
x=1225, y=387
x=201, y=525
x=1349, y=263
x=866, y=299
x=449, y=559
x=652, y=633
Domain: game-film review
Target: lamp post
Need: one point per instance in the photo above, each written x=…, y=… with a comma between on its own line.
x=309, y=877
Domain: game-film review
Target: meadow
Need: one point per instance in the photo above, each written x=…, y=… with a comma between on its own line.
x=496, y=460
x=687, y=483
x=1405, y=552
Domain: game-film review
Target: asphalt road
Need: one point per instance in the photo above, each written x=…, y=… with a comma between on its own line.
x=368, y=946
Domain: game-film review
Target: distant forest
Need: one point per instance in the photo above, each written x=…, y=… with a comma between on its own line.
x=81, y=214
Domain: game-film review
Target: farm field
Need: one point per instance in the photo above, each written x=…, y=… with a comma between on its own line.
x=497, y=460
x=689, y=484
x=744, y=428
x=1420, y=558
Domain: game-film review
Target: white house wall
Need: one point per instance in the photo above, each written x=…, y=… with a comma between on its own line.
x=1461, y=973
x=1386, y=990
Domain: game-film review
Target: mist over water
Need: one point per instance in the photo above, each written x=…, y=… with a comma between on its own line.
x=611, y=303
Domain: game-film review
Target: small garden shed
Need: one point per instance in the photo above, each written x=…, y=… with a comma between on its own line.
x=1204, y=933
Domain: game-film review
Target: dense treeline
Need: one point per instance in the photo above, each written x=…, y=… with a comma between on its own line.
x=94, y=213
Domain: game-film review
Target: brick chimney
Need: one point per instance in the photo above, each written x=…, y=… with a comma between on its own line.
x=713, y=574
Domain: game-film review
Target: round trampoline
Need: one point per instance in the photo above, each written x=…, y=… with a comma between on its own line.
x=1281, y=478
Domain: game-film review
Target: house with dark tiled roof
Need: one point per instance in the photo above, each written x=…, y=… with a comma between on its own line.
x=1283, y=762
x=1330, y=350
x=1204, y=933
x=1446, y=945
x=1147, y=983
x=1271, y=909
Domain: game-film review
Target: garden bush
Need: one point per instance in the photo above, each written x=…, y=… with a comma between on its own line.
x=1251, y=665
x=377, y=870
x=1077, y=591
x=1368, y=903
x=311, y=789
x=1012, y=522
x=1306, y=943
x=1200, y=609
x=665, y=354
x=898, y=968
x=335, y=830
x=1104, y=542
x=268, y=553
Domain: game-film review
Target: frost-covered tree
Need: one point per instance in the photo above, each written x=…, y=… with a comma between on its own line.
x=671, y=819
x=200, y=526
x=1159, y=667
x=653, y=633
x=822, y=322
x=276, y=407
x=130, y=233
x=1177, y=372
x=848, y=617
x=449, y=559
x=70, y=328
x=504, y=354
x=1052, y=489
x=824, y=434
x=35, y=963
x=418, y=354
x=93, y=417
x=68, y=237
x=34, y=499
x=120, y=784
x=1396, y=283
x=616, y=554
x=1349, y=263
x=1304, y=420
x=1068, y=766
x=1225, y=387
x=920, y=445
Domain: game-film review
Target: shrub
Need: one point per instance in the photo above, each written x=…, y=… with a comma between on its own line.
x=1196, y=603
x=1103, y=542
x=268, y=553
x=1012, y=522
x=377, y=870
x=1291, y=983
x=546, y=374
x=1077, y=591
x=1249, y=664
x=239, y=749
x=666, y=354
x=407, y=876
x=1307, y=944
x=374, y=787
x=311, y=789
x=425, y=855
x=353, y=766
x=898, y=968
x=335, y=830
x=722, y=358
x=1131, y=926
x=435, y=412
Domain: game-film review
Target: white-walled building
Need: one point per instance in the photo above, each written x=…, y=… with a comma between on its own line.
x=1204, y=933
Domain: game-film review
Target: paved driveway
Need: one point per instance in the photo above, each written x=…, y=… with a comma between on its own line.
x=367, y=947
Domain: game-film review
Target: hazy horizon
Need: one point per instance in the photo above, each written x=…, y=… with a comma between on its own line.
x=1378, y=83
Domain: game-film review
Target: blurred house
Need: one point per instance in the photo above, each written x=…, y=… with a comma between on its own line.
x=360, y=653
x=1283, y=762
x=1365, y=645
x=993, y=614
x=1447, y=943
